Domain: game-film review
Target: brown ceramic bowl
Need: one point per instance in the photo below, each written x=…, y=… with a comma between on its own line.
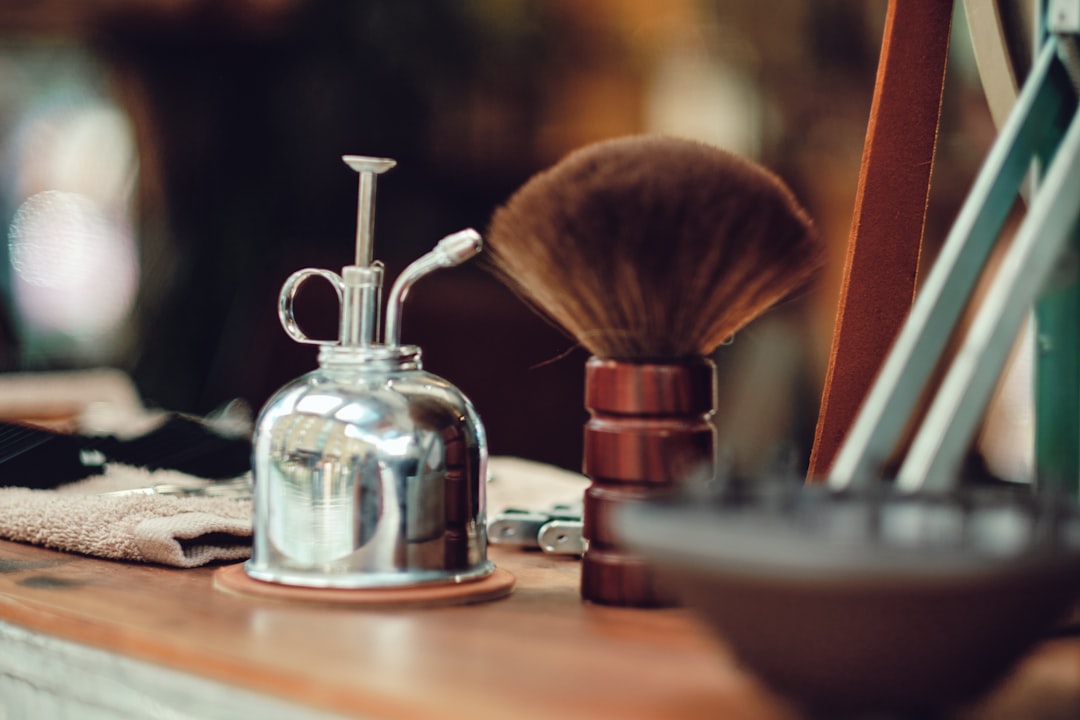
x=849, y=604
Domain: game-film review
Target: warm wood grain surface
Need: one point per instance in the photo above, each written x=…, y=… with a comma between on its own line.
x=539, y=653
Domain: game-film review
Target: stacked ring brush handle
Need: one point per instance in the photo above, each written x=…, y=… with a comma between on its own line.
x=648, y=428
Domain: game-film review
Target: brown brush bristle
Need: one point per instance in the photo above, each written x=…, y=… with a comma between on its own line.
x=648, y=247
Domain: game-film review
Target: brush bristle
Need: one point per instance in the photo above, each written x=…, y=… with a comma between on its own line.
x=651, y=247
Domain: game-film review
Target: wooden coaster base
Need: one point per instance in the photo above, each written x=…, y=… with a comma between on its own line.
x=233, y=580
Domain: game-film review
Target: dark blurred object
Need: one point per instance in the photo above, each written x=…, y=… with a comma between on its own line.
x=869, y=603
x=36, y=457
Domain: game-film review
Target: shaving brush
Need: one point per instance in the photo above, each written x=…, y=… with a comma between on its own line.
x=650, y=251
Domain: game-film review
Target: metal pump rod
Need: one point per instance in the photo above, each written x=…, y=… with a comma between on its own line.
x=368, y=168
x=363, y=280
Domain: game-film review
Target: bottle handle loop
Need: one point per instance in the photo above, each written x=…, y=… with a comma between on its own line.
x=288, y=294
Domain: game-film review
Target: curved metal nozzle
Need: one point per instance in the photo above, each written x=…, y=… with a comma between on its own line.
x=450, y=251
x=454, y=249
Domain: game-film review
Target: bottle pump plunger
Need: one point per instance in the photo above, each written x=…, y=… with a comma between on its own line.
x=369, y=471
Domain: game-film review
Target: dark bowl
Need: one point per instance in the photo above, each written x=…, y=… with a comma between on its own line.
x=849, y=604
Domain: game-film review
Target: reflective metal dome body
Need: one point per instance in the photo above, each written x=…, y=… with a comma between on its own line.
x=369, y=472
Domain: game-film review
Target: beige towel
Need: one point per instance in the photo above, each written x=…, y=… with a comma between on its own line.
x=182, y=531
x=189, y=531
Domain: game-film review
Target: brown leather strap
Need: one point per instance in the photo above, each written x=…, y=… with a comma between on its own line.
x=890, y=210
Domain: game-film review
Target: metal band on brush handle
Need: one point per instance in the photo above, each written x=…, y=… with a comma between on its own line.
x=648, y=429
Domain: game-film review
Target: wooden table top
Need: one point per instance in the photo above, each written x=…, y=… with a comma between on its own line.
x=541, y=652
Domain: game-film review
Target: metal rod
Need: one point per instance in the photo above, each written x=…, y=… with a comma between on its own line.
x=362, y=281
x=938, y=305
x=368, y=168
x=938, y=449
x=1057, y=383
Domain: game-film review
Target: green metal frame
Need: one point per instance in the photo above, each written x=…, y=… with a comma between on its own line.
x=1043, y=130
x=1057, y=362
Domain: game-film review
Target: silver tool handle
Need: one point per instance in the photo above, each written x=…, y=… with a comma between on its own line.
x=557, y=531
x=562, y=537
x=518, y=528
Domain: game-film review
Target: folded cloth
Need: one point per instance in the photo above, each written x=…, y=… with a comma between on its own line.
x=70, y=441
x=100, y=516
x=88, y=517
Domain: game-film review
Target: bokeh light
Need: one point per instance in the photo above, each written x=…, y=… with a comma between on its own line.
x=70, y=169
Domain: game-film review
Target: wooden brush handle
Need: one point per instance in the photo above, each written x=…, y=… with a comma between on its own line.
x=648, y=429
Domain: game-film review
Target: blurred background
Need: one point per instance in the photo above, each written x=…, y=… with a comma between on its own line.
x=166, y=164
